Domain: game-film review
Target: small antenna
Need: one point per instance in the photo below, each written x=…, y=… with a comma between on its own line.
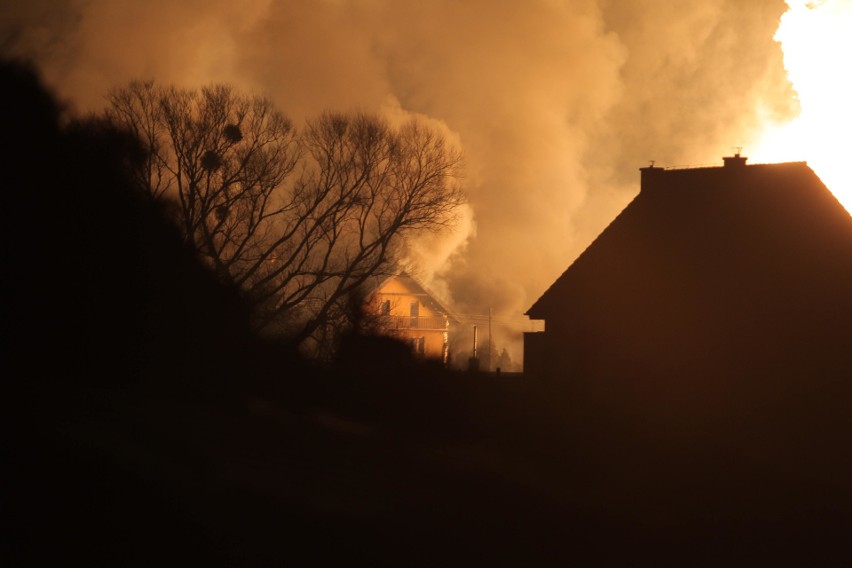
x=652, y=162
x=738, y=149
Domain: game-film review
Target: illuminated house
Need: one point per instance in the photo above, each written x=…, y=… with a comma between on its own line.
x=718, y=276
x=408, y=310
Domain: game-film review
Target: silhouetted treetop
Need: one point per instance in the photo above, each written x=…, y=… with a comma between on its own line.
x=297, y=220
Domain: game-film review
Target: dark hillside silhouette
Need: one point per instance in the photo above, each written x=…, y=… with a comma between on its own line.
x=96, y=285
x=107, y=323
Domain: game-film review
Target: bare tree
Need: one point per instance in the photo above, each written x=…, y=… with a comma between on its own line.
x=298, y=221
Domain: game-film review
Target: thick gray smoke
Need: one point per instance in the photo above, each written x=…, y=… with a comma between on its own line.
x=555, y=103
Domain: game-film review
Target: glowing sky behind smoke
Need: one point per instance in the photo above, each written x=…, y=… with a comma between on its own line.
x=555, y=103
x=816, y=37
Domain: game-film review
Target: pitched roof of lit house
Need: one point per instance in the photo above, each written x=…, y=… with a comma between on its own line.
x=411, y=286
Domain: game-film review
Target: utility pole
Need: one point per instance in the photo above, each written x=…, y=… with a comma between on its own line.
x=473, y=362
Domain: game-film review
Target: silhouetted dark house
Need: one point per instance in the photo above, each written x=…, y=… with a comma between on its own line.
x=710, y=276
x=701, y=350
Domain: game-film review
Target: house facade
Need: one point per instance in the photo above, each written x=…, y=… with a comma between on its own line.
x=406, y=309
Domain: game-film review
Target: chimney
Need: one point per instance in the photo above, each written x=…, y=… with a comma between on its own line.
x=650, y=176
x=735, y=161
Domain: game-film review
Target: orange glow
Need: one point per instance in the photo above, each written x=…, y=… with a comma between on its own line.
x=816, y=38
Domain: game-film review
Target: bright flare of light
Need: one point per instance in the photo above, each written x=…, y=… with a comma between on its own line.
x=816, y=38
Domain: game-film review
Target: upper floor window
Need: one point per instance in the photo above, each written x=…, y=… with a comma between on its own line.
x=415, y=313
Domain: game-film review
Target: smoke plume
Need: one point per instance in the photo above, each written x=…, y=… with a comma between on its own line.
x=555, y=103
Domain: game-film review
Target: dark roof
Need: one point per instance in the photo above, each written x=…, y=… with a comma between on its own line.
x=736, y=232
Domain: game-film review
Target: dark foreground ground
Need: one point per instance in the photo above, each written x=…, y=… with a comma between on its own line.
x=458, y=472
